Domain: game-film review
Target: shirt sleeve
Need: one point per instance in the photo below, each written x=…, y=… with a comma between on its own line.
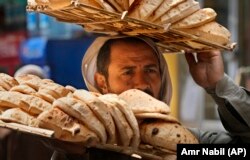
x=212, y=137
x=233, y=106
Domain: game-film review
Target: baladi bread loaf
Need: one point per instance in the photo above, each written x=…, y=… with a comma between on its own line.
x=129, y=115
x=196, y=19
x=66, y=128
x=212, y=32
x=5, y=85
x=70, y=88
x=31, y=104
x=12, y=100
x=124, y=131
x=47, y=91
x=36, y=105
x=45, y=96
x=141, y=102
x=45, y=86
x=165, y=135
x=179, y=12
x=7, y=82
x=165, y=6
x=17, y=115
x=54, y=89
x=81, y=112
x=30, y=80
x=99, y=108
x=142, y=9
x=23, y=88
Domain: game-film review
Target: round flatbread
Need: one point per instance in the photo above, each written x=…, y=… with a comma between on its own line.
x=124, y=131
x=45, y=96
x=54, y=89
x=31, y=80
x=66, y=128
x=141, y=102
x=99, y=108
x=8, y=80
x=142, y=9
x=5, y=85
x=82, y=112
x=71, y=88
x=165, y=135
x=128, y=113
x=12, y=100
x=36, y=105
x=17, y=115
x=23, y=88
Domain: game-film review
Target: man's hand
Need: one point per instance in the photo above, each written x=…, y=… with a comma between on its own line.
x=208, y=70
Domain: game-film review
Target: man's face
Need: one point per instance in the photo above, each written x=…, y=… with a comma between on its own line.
x=133, y=66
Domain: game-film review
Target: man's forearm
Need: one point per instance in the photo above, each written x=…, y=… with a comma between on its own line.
x=233, y=106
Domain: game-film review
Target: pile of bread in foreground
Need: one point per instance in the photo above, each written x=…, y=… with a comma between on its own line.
x=132, y=119
x=183, y=15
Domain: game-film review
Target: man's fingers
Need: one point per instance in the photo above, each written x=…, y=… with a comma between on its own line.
x=190, y=58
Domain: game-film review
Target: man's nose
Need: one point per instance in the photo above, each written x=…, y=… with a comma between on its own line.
x=141, y=82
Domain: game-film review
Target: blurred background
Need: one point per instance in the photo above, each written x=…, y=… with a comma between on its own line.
x=33, y=38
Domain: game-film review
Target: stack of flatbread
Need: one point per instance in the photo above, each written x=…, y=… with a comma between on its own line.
x=183, y=15
x=157, y=126
x=132, y=119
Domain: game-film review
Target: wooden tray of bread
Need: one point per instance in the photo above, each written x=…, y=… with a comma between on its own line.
x=175, y=25
x=111, y=122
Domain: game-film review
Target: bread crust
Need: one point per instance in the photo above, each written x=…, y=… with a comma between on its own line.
x=7, y=82
x=17, y=115
x=23, y=88
x=179, y=12
x=142, y=9
x=99, y=108
x=212, y=31
x=123, y=129
x=165, y=6
x=141, y=102
x=66, y=128
x=128, y=114
x=82, y=112
x=196, y=19
x=165, y=135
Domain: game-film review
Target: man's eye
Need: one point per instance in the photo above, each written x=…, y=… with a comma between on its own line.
x=128, y=72
x=150, y=70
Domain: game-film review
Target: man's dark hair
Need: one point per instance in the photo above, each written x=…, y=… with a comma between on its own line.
x=103, y=58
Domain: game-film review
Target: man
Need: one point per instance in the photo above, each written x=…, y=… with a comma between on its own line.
x=122, y=63
x=116, y=64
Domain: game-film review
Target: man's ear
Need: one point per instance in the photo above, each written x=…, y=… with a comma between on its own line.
x=101, y=83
